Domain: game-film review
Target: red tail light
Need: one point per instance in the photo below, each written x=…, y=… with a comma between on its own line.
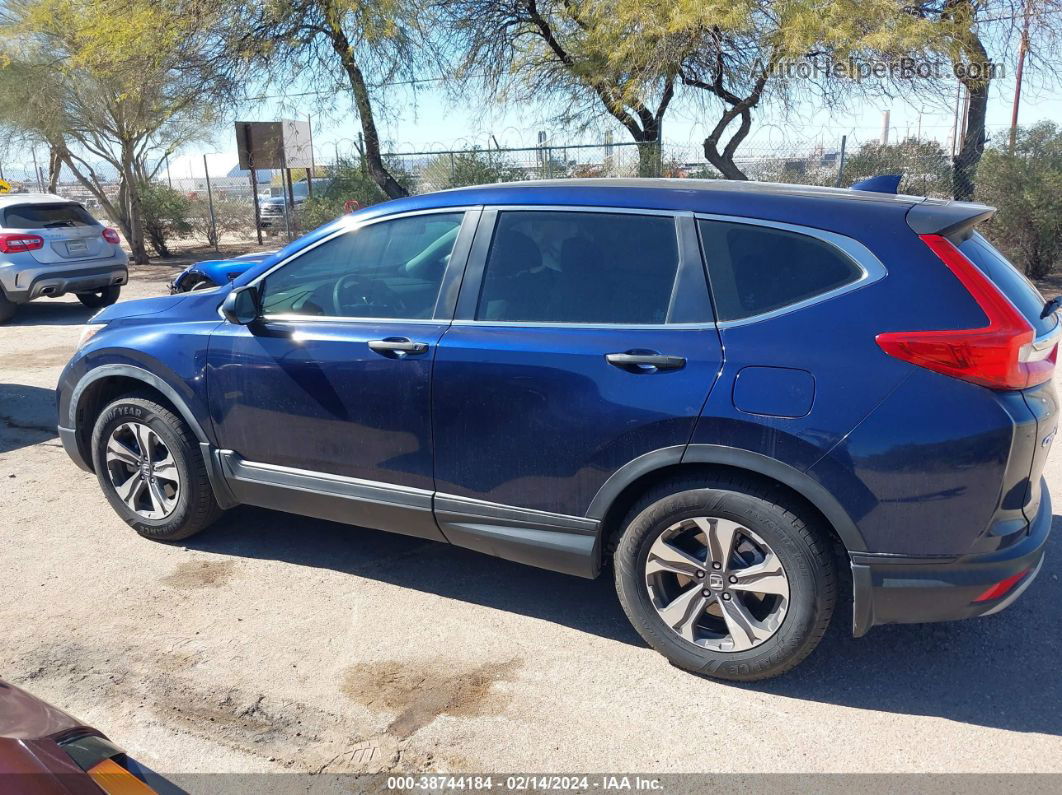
x=1000, y=355
x=111, y=236
x=14, y=243
x=1001, y=587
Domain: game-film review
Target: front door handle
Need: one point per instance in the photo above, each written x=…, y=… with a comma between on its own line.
x=645, y=362
x=398, y=347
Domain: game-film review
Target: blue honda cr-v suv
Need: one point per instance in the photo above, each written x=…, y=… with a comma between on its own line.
x=744, y=397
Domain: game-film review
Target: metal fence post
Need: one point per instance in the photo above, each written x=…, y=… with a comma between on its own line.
x=210, y=204
x=840, y=162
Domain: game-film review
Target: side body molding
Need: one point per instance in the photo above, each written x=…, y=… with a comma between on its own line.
x=800, y=482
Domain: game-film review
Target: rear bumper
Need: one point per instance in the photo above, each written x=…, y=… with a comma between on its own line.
x=903, y=590
x=25, y=284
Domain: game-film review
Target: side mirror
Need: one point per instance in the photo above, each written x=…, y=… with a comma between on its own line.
x=241, y=306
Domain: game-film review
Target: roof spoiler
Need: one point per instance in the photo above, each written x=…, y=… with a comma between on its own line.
x=884, y=183
x=953, y=220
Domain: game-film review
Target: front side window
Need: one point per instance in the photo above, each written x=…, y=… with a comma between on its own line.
x=390, y=269
x=579, y=267
x=757, y=269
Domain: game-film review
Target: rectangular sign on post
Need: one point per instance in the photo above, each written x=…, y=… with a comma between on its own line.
x=274, y=144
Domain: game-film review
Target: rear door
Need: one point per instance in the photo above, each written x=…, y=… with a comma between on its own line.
x=70, y=233
x=583, y=339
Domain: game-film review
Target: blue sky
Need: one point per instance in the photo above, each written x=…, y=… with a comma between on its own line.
x=431, y=120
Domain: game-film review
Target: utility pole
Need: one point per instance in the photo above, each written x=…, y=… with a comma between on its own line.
x=885, y=128
x=313, y=166
x=36, y=170
x=1023, y=48
x=840, y=162
x=210, y=204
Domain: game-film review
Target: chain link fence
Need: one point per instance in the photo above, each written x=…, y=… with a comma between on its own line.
x=223, y=205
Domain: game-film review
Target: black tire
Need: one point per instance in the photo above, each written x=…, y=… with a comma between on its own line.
x=7, y=308
x=100, y=298
x=195, y=508
x=798, y=541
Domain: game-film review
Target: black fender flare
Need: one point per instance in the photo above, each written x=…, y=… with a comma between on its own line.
x=139, y=374
x=217, y=480
x=800, y=482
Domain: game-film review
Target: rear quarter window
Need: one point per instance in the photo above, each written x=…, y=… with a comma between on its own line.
x=757, y=269
x=47, y=216
x=1010, y=281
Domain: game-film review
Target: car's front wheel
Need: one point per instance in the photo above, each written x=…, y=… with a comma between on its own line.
x=726, y=578
x=151, y=470
x=99, y=298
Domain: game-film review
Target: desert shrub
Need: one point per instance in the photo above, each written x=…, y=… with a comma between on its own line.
x=1026, y=188
x=164, y=212
x=925, y=166
x=231, y=216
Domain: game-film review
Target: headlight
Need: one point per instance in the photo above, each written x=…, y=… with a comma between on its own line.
x=88, y=331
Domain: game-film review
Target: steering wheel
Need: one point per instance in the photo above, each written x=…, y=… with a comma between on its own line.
x=354, y=291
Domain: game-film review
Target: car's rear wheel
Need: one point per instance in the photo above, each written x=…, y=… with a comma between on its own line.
x=100, y=298
x=726, y=578
x=151, y=470
x=7, y=308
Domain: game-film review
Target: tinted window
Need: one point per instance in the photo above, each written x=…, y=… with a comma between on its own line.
x=1013, y=284
x=576, y=267
x=47, y=216
x=756, y=269
x=388, y=269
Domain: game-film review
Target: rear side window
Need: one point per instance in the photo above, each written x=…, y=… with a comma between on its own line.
x=1010, y=281
x=580, y=267
x=757, y=269
x=47, y=216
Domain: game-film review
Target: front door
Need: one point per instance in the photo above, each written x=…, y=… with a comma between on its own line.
x=323, y=405
x=583, y=339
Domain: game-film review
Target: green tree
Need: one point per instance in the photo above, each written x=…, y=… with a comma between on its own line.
x=1026, y=187
x=560, y=52
x=112, y=87
x=365, y=43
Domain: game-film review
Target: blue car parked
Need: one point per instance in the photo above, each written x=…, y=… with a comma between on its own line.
x=211, y=273
x=742, y=398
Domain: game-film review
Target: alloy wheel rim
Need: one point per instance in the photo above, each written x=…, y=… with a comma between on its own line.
x=142, y=471
x=717, y=584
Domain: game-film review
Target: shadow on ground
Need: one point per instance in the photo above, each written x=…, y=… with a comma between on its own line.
x=587, y=605
x=49, y=312
x=1001, y=671
x=27, y=416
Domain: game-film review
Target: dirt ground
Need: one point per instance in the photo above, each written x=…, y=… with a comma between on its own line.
x=273, y=643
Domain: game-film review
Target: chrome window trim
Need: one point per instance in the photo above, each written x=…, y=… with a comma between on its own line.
x=364, y=321
x=352, y=224
x=872, y=269
x=534, y=324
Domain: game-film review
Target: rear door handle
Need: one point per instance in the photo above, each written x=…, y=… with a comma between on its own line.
x=645, y=362
x=398, y=347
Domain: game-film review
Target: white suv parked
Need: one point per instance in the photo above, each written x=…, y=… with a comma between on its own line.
x=50, y=246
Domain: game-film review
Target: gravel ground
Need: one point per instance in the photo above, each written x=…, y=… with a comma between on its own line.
x=272, y=642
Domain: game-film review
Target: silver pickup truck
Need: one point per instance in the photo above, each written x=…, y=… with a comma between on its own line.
x=50, y=246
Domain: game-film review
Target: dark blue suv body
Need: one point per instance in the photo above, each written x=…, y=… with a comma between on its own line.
x=737, y=394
